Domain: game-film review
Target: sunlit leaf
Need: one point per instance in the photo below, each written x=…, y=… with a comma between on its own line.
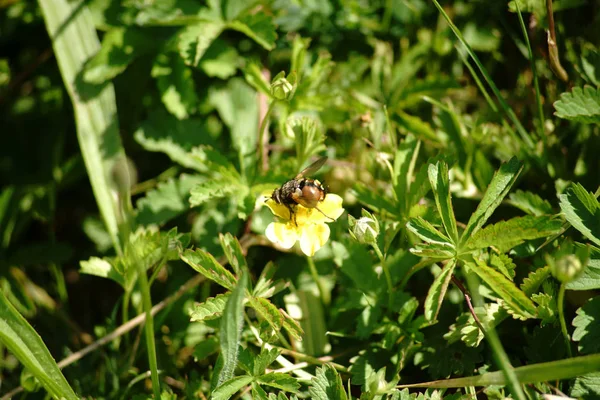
x=581, y=105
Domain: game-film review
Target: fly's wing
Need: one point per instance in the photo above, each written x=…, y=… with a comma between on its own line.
x=312, y=168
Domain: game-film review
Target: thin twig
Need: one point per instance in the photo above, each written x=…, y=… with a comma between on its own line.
x=465, y=293
x=552, y=48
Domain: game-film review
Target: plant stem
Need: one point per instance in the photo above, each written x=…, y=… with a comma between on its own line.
x=388, y=276
x=263, y=138
x=555, y=64
x=149, y=328
x=315, y=276
x=561, y=318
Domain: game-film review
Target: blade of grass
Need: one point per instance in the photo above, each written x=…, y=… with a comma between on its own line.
x=536, y=85
x=24, y=342
x=71, y=28
x=542, y=372
x=505, y=107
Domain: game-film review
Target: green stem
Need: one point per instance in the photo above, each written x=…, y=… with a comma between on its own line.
x=149, y=328
x=388, y=276
x=492, y=337
x=262, y=163
x=561, y=317
x=315, y=276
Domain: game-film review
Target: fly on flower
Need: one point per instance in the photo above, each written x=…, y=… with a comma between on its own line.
x=301, y=190
x=304, y=209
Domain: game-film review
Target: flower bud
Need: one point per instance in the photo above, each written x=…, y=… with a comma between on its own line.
x=566, y=268
x=365, y=229
x=283, y=88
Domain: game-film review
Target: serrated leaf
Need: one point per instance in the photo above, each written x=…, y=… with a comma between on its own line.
x=233, y=252
x=102, y=268
x=427, y=232
x=433, y=250
x=264, y=359
x=505, y=235
x=514, y=298
x=582, y=210
x=214, y=189
x=167, y=201
x=504, y=264
x=232, y=323
x=501, y=183
x=206, y=264
x=581, y=105
x=587, y=327
x=176, y=84
x=586, y=386
x=292, y=326
x=534, y=280
x=268, y=312
x=280, y=381
x=193, y=40
x=589, y=279
x=120, y=46
x=437, y=291
x=221, y=60
x=209, y=309
x=327, y=385
x=440, y=185
x=230, y=387
x=259, y=27
x=530, y=203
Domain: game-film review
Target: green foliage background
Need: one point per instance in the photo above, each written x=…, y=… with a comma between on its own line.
x=137, y=139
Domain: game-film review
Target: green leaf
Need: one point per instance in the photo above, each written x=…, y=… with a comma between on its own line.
x=505, y=235
x=164, y=133
x=221, y=60
x=586, y=386
x=194, y=40
x=501, y=183
x=231, y=387
x=534, y=280
x=437, y=291
x=215, y=189
x=582, y=210
x=427, y=232
x=264, y=359
x=327, y=385
x=233, y=252
x=176, y=84
x=176, y=12
x=280, y=381
x=206, y=264
x=210, y=309
x=259, y=27
x=102, y=268
x=75, y=41
x=503, y=263
x=590, y=276
x=416, y=126
x=438, y=177
x=433, y=250
x=169, y=200
x=27, y=346
x=238, y=108
x=292, y=326
x=587, y=327
x=530, y=203
x=268, y=312
x=232, y=323
x=581, y=105
x=120, y=46
x=403, y=169
x=515, y=300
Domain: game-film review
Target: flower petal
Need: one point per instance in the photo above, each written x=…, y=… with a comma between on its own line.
x=313, y=237
x=285, y=235
x=331, y=207
x=278, y=209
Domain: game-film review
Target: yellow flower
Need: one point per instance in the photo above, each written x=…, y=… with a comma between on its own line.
x=310, y=227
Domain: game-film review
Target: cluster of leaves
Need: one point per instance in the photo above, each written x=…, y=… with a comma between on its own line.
x=455, y=186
